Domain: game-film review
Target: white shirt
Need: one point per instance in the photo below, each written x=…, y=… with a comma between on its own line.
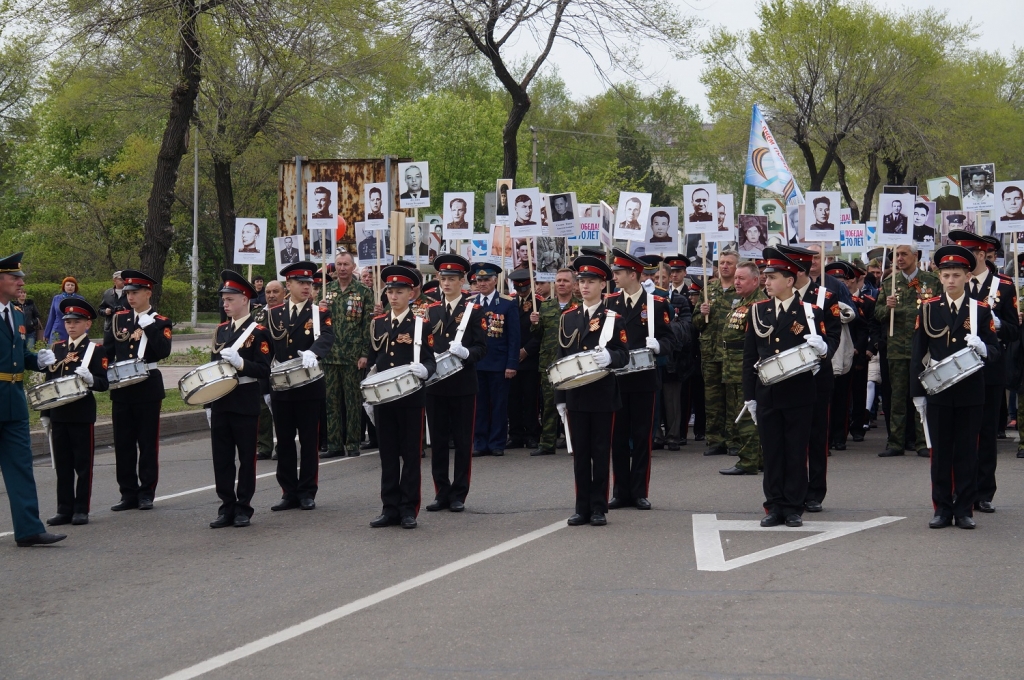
x=294, y=309
x=591, y=311
x=401, y=317
x=634, y=298
x=803, y=291
x=450, y=305
x=783, y=305
x=136, y=315
x=238, y=323
x=485, y=300
x=958, y=302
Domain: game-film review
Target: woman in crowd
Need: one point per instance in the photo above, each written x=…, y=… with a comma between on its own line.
x=33, y=324
x=55, y=330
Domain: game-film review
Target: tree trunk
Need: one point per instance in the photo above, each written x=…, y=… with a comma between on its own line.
x=510, y=134
x=225, y=209
x=874, y=179
x=895, y=172
x=158, y=230
x=841, y=175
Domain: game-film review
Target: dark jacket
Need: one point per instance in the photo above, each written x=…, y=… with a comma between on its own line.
x=83, y=410
x=121, y=343
x=474, y=340
x=111, y=301
x=256, y=353
x=576, y=335
x=1004, y=306
x=635, y=323
x=780, y=334
x=391, y=347
x=502, y=335
x=290, y=338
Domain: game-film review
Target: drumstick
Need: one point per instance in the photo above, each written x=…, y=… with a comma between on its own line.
x=892, y=310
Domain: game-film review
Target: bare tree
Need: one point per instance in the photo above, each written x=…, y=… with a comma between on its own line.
x=608, y=32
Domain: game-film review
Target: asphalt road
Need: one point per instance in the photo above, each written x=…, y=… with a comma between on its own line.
x=148, y=594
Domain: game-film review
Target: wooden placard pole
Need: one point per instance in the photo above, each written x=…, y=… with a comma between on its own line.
x=501, y=274
x=892, y=310
x=743, y=203
x=529, y=264
x=703, y=266
x=1016, y=269
x=376, y=272
x=324, y=237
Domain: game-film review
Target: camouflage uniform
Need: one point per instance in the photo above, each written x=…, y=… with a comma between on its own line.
x=711, y=361
x=551, y=428
x=908, y=299
x=743, y=433
x=351, y=312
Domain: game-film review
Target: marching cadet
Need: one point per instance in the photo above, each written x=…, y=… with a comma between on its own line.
x=234, y=418
x=70, y=426
x=675, y=386
x=708, y=322
x=782, y=411
x=734, y=334
x=351, y=309
x=523, y=421
x=590, y=409
x=856, y=332
x=400, y=422
x=450, y=409
x=495, y=371
x=549, y=314
x=913, y=285
x=139, y=334
x=631, y=441
x=985, y=283
x=954, y=414
x=297, y=334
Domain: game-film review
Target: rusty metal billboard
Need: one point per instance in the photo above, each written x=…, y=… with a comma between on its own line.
x=350, y=174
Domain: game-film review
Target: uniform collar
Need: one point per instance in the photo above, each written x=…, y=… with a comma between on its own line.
x=635, y=297
x=591, y=311
x=236, y=324
x=401, y=317
x=783, y=305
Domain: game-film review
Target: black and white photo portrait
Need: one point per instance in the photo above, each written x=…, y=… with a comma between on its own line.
x=631, y=219
x=945, y=192
x=501, y=208
x=725, y=223
x=1009, y=208
x=458, y=214
x=978, y=182
x=662, y=231
x=372, y=246
x=375, y=205
x=701, y=209
x=321, y=205
x=321, y=243
x=753, y=236
x=525, y=212
x=821, y=216
x=250, y=240
x=896, y=211
x=413, y=185
x=924, y=225
x=288, y=250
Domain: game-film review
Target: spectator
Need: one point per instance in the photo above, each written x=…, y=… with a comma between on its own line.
x=113, y=300
x=33, y=324
x=261, y=295
x=55, y=330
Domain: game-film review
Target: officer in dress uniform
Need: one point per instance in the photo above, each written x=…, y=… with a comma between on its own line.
x=136, y=408
x=985, y=283
x=450, y=408
x=631, y=447
x=590, y=409
x=524, y=390
x=234, y=418
x=15, y=444
x=495, y=371
x=295, y=334
x=783, y=411
x=400, y=422
x=954, y=414
x=70, y=427
x=265, y=438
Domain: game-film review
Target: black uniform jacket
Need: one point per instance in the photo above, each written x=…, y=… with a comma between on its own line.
x=830, y=311
x=530, y=335
x=474, y=340
x=256, y=353
x=261, y=315
x=938, y=335
x=121, y=343
x=290, y=338
x=391, y=347
x=84, y=409
x=575, y=335
x=1004, y=307
x=635, y=322
x=780, y=332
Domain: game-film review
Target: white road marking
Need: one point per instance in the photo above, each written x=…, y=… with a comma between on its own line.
x=707, y=543
x=7, y=533
x=363, y=603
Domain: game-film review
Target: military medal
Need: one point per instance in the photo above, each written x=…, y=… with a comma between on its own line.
x=797, y=328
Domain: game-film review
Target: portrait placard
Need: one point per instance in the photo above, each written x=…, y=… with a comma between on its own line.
x=945, y=191
x=502, y=248
x=413, y=185
x=924, y=224
x=895, y=229
x=288, y=250
x=631, y=219
x=775, y=211
x=320, y=239
x=726, y=223
x=753, y=236
x=458, y=214
x=701, y=257
x=821, y=216
x=548, y=256
x=368, y=250
x=1009, y=209
x=524, y=206
x=978, y=182
x=417, y=241
x=662, y=231
x=501, y=209
x=375, y=206
x=701, y=201
x=321, y=205
x=965, y=220
x=563, y=214
x=607, y=215
x=250, y=240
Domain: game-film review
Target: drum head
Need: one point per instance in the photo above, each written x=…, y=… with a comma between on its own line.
x=211, y=391
x=582, y=379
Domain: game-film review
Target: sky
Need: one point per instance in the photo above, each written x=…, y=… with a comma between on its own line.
x=997, y=23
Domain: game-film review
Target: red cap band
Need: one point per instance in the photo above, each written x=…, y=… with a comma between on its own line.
x=976, y=243
x=138, y=282
x=77, y=310
x=397, y=278
x=955, y=258
x=235, y=285
x=452, y=266
x=588, y=269
x=295, y=273
x=628, y=264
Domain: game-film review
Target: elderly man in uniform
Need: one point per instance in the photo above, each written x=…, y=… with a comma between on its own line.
x=498, y=367
x=722, y=299
x=734, y=333
x=15, y=445
x=351, y=310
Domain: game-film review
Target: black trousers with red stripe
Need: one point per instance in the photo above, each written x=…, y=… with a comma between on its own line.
x=73, y=455
x=591, y=435
x=137, y=447
x=839, y=413
x=784, y=434
x=400, y=436
x=817, y=446
x=451, y=416
x=631, y=445
x=231, y=433
x=954, y=433
x=302, y=417
x=991, y=422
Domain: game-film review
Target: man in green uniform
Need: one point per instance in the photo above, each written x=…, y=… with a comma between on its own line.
x=550, y=312
x=351, y=310
x=721, y=301
x=913, y=286
x=734, y=332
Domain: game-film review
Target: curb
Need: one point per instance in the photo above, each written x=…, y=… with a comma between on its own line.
x=171, y=425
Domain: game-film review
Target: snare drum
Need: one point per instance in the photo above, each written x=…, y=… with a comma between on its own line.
x=129, y=372
x=783, y=365
x=390, y=385
x=447, y=365
x=951, y=370
x=291, y=374
x=576, y=370
x=58, y=392
x=208, y=382
x=639, y=360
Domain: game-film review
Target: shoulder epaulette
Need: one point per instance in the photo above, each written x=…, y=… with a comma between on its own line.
x=615, y=294
x=504, y=297
x=122, y=311
x=276, y=306
x=934, y=299
x=380, y=316
x=162, y=318
x=869, y=297
x=569, y=309
x=435, y=304
x=761, y=302
x=658, y=298
x=982, y=303
x=223, y=324
x=260, y=328
x=1005, y=279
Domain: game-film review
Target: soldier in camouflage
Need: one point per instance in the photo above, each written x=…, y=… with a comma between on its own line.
x=550, y=311
x=351, y=306
x=721, y=301
x=913, y=286
x=734, y=330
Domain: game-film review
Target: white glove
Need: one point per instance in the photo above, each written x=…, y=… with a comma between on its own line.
x=604, y=359
x=266, y=398
x=368, y=407
x=818, y=343
x=309, y=359
x=649, y=286
x=232, y=357
x=458, y=350
x=45, y=421
x=979, y=346
x=83, y=373
x=654, y=345
x=419, y=370
x=562, y=410
x=45, y=358
x=921, y=404
x=145, y=320
x=846, y=312
x=209, y=417
x=998, y=321
x=752, y=409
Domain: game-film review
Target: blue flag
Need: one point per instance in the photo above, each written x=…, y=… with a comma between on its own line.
x=766, y=168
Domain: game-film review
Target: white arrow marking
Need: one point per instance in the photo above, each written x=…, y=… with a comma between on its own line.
x=707, y=543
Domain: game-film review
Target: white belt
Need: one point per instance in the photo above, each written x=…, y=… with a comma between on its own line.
x=246, y=380
x=152, y=366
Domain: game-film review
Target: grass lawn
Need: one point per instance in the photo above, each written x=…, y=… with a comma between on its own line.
x=173, y=403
